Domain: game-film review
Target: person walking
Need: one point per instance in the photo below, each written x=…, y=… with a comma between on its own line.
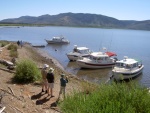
x=18, y=42
x=44, y=80
x=63, y=81
x=21, y=43
x=50, y=79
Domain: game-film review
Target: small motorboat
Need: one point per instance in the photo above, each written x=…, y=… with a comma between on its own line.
x=127, y=68
x=78, y=52
x=98, y=60
x=57, y=40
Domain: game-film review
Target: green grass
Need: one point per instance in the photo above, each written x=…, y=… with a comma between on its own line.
x=114, y=98
x=3, y=43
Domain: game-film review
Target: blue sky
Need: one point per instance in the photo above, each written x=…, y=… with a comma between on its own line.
x=119, y=9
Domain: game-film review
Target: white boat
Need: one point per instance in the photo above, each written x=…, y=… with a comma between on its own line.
x=78, y=52
x=127, y=68
x=57, y=40
x=97, y=60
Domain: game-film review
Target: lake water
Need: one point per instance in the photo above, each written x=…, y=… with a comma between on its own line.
x=131, y=43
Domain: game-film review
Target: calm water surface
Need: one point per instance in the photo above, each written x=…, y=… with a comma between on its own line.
x=131, y=43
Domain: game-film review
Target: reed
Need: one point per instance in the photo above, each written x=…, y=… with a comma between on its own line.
x=114, y=98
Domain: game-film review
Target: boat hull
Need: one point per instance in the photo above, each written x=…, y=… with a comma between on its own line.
x=57, y=42
x=92, y=65
x=38, y=45
x=126, y=75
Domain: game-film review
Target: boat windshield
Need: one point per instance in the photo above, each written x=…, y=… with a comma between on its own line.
x=86, y=51
x=121, y=65
x=127, y=66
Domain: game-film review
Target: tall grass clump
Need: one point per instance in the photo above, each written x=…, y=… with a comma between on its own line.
x=13, y=50
x=114, y=98
x=26, y=72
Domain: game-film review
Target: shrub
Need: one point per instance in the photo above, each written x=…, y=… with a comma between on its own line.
x=13, y=50
x=12, y=47
x=26, y=72
x=13, y=53
x=115, y=98
x=3, y=43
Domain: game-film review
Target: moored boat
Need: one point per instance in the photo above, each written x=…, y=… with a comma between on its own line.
x=78, y=52
x=38, y=45
x=57, y=40
x=97, y=60
x=127, y=68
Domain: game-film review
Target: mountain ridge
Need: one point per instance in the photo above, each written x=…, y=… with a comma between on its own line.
x=80, y=20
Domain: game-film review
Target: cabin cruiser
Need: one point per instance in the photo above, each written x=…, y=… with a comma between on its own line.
x=127, y=68
x=57, y=40
x=98, y=60
x=78, y=52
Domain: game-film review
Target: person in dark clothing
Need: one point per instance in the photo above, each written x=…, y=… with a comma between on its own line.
x=50, y=79
x=18, y=42
x=63, y=81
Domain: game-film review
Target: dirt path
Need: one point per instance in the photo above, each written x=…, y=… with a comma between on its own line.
x=28, y=98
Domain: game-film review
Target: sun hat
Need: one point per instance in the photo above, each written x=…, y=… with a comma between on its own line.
x=51, y=70
x=45, y=66
x=62, y=75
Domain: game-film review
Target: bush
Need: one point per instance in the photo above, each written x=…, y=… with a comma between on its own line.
x=13, y=50
x=13, y=53
x=115, y=98
x=3, y=43
x=27, y=72
x=12, y=47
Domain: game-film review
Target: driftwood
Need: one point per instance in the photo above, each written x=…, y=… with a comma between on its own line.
x=11, y=90
x=5, y=62
x=2, y=109
x=8, y=70
x=10, y=94
x=1, y=50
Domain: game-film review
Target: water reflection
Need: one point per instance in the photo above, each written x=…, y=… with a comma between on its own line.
x=72, y=67
x=56, y=46
x=95, y=75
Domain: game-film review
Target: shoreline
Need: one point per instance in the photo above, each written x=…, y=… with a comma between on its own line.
x=49, y=57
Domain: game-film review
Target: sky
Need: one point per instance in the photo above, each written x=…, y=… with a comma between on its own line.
x=119, y=9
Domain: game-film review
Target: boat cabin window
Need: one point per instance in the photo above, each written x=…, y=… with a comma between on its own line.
x=94, y=58
x=120, y=65
x=135, y=65
x=128, y=66
x=84, y=51
x=106, y=58
x=100, y=58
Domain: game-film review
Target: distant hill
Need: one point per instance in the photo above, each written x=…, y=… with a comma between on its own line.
x=80, y=20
